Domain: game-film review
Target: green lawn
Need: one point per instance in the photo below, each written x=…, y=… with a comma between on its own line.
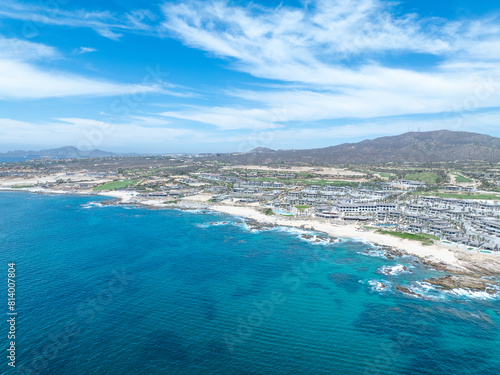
x=425, y=239
x=460, y=178
x=22, y=186
x=308, y=182
x=302, y=208
x=462, y=196
x=116, y=185
x=427, y=177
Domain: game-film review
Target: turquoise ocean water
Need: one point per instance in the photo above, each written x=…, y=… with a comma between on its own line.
x=126, y=290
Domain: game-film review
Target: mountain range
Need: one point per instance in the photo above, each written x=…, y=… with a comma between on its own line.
x=432, y=146
x=415, y=147
x=67, y=152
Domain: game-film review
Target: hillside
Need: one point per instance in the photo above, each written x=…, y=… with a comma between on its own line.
x=433, y=146
x=57, y=153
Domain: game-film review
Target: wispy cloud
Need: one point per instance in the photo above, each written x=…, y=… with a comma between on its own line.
x=105, y=23
x=19, y=80
x=340, y=52
x=83, y=50
x=137, y=132
x=22, y=78
x=324, y=62
x=227, y=118
x=14, y=48
x=155, y=135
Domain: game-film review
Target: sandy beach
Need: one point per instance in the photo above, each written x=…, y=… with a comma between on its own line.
x=435, y=254
x=440, y=256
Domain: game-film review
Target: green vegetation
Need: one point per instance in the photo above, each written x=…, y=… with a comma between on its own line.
x=22, y=186
x=425, y=239
x=301, y=208
x=460, y=196
x=269, y=211
x=116, y=185
x=460, y=178
x=382, y=174
x=427, y=177
x=318, y=182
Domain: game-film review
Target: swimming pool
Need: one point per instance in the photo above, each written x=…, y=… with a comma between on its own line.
x=283, y=213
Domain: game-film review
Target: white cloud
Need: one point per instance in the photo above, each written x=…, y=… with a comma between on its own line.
x=13, y=48
x=90, y=133
x=312, y=46
x=314, y=136
x=107, y=24
x=327, y=59
x=299, y=37
x=83, y=50
x=227, y=118
x=138, y=132
x=19, y=80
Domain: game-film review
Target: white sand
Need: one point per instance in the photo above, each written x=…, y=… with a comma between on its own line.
x=454, y=258
x=434, y=253
x=198, y=198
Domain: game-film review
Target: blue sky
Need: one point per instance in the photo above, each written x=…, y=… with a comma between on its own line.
x=208, y=76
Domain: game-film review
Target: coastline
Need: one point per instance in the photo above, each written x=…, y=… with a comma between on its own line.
x=438, y=256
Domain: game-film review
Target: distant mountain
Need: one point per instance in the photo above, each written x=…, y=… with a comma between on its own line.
x=67, y=152
x=433, y=146
x=262, y=149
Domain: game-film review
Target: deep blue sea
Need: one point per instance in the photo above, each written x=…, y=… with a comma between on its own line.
x=119, y=290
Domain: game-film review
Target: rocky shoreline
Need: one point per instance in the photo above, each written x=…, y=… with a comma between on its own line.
x=473, y=284
x=466, y=274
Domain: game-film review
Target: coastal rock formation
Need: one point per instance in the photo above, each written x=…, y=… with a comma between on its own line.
x=474, y=284
x=255, y=225
x=111, y=202
x=406, y=290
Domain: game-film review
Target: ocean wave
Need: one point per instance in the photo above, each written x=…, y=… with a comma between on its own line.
x=213, y=224
x=394, y=270
x=375, y=252
x=91, y=205
x=469, y=294
x=198, y=211
x=379, y=286
x=430, y=291
x=307, y=235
